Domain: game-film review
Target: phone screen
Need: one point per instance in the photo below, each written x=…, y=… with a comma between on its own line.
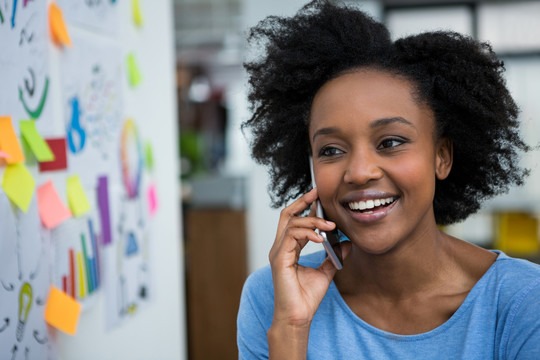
x=331, y=242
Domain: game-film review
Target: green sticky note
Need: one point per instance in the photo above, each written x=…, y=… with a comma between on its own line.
x=134, y=75
x=77, y=200
x=19, y=185
x=148, y=156
x=137, y=14
x=37, y=144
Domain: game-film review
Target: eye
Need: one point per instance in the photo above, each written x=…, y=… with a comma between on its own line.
x=329, y=151
x=391, y=143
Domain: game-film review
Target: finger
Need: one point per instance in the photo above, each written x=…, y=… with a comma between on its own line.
x=311, y=223
x=297, y=207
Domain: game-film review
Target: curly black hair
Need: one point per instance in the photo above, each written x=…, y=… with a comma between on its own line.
x=459, y=78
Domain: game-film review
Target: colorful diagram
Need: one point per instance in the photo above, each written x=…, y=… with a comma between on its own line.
x=77, y=257
x=132, y=159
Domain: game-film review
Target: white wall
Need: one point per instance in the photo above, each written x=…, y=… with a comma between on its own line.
x=158, y=330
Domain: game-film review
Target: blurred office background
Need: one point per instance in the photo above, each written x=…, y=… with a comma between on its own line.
x=229, y=225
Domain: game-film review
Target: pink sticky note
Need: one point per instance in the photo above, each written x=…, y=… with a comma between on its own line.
x=4, y=155
x=52, y=210
x=152, y=199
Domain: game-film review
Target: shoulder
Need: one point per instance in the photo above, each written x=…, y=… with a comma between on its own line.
x=513, y=275
x=518, y=296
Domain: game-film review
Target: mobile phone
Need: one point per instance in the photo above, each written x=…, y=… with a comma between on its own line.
x=331, y=242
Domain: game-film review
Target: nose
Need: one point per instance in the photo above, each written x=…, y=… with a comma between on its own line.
x=362, y=168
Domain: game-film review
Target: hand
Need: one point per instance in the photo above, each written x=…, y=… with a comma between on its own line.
x=298, y=290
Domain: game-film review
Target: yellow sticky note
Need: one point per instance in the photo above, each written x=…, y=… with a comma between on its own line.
x=137, y=14
x=9, y=144
x=19, y=185
x=39, y=147
x=134, y=74
x=62, y=311
x=57, y=25
x=77, y=200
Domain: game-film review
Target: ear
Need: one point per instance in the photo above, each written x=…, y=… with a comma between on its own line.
x=443, y=158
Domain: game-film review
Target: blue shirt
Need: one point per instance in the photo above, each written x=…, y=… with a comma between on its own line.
x=499, y=319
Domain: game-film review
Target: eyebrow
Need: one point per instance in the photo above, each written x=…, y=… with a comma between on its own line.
x=375, y=124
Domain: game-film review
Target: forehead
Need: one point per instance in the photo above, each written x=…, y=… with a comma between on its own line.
x=368, y=95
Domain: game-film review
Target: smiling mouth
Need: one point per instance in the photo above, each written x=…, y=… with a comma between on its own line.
x=370, y=206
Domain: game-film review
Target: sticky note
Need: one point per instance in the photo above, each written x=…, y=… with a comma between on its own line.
x=62, y=311
x=19, y=185
x=148, y=156
x=152, y=199
x=57, y=26
x=59, y=149
x=137, y=14
x=9, y=143
x=52, y=210
x=103, y=204
x=4, y=155
x=134, y=75
x=77, y=200
x=39, y=147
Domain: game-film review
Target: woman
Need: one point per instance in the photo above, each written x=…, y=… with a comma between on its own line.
x=405, y=136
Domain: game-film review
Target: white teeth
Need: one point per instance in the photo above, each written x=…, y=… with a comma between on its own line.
x=369, y=204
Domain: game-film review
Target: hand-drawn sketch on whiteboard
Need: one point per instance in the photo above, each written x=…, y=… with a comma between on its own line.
x=24, y=282
x=77, y=258
x=127, y=258
x=24, y=64
x=92, y=106
x=98, y=15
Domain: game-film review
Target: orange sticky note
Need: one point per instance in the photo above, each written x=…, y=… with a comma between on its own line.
x=57, y=26
x=52, y=210
x=9, y=143
x=19, y=185
x=62, y=311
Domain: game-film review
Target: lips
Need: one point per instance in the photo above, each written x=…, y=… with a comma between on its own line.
x=369, y=206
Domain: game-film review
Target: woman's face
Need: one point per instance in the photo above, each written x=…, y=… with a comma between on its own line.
x=376, y=158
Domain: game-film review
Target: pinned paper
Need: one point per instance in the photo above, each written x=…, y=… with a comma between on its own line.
x=19, y=185
x=148, y=156
x=62, y=311
x=9, y=144
x=52, y=210
x=58, y=148
x=152, y=199
x=39, y=147
x=57, y=25
x=134, y=75
x=137, y=14
x=77, y=200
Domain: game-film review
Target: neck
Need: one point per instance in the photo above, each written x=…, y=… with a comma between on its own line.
x=417, y=265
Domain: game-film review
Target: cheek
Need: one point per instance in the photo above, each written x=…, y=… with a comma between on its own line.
x=416, y=173
x=327, y=183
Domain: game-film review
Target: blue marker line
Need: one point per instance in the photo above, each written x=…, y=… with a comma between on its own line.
x=13, y=14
